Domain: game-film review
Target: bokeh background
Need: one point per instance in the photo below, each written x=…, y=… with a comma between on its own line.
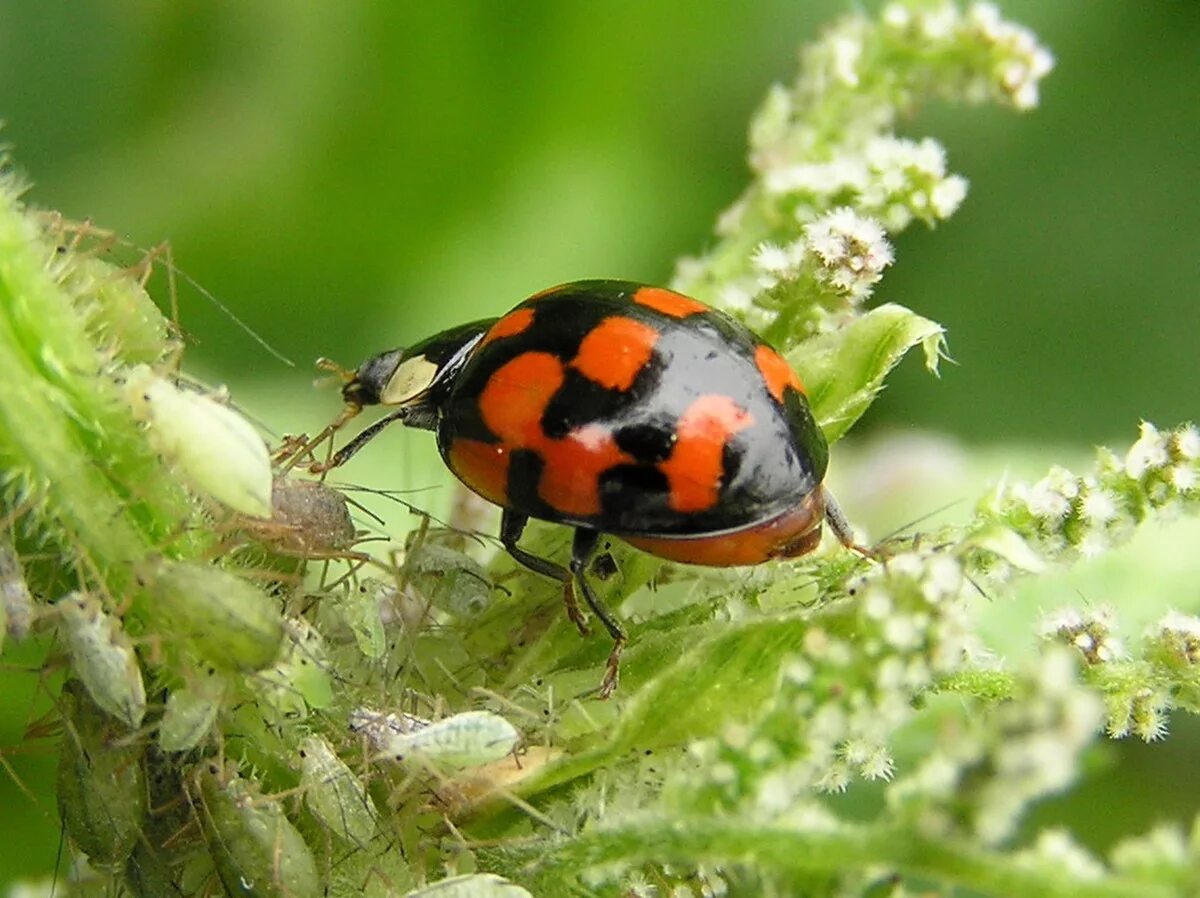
x=351, y=176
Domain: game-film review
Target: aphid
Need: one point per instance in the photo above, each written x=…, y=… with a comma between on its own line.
x=461, y=740
x=101, y=780
x=309, y=518
x=614, y=407
x=103, y=657
x=299, y=679
x=218, y=450
x=256, y=848
x=190, y=713
x=451, y=580
x=334, y=794
x=220, y=616
x=358, y=609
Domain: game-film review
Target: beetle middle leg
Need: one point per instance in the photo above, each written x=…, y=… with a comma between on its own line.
x=582, y=548
x=574, y=581
x=512, y=525
x=840, y=525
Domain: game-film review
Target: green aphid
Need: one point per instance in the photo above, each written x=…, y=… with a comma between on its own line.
x=360, y=608
x=462, y=740
x=101, y=780
x=450, y=580
x=226, y=620
x=334, y=795
x=117, y=311
x=190, y=713
x=299, y=679
x=103, y=657
x=257, y=851
x=218, y=450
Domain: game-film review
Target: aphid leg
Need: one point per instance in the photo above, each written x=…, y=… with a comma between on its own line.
x=511, y=527
x=295, y=449
x=836, y=518
x=144, y=268
x=582, y=549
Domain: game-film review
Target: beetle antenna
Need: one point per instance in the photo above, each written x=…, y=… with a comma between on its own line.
x=914, y=523
x=345, y=375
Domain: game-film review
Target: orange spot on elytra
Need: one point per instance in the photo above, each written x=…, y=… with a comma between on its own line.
x=481, y=466
x=571, y=479
x=668, y=302
x=614, y=351
x=510, y=325
x=515, y=396
x=776, y=372
x=512, y=405
x=695, y=467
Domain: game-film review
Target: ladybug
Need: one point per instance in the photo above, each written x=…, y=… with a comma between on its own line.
x=616, y=408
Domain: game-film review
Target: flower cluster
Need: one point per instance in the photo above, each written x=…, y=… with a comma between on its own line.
x=831, y=176
x=1140, y=694
x=991, y=767
x=842, y=252
x=850, y=252
x=1175, y=639
x=842, y=696
x=1006, y=62
x=1066, y=514
x=1088, y=631
x=893, y=179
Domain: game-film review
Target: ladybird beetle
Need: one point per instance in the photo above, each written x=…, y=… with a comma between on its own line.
x=618, y=408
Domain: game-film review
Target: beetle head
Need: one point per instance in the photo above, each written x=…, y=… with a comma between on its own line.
x=405, y=377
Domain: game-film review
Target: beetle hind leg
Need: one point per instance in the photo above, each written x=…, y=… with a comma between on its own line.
x=511, y=527
x=574, y=583
x=582, y=549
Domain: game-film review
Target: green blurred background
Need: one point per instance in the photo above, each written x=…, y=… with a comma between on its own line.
x=355, y=175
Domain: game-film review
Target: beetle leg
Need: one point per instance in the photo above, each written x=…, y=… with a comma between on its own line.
x=582, y=548
x=344, y=454
x=836, y=518
x=511, y=527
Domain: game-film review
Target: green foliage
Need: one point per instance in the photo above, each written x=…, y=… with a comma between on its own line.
x=283, y=706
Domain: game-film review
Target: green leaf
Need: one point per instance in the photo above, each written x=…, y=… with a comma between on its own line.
x=713, y=681
x=844, y=370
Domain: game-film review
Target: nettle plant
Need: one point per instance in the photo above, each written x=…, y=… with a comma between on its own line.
x=251, y=705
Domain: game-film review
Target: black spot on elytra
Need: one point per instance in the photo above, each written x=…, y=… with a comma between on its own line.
x=648, y=443
x=731, y=460
x=577, y=402
x=635, y=495
x=524, y=475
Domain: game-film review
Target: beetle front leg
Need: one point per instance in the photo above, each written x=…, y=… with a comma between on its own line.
x=840, y=525
x=344, y=454
x=512, y=525
x=582, y=549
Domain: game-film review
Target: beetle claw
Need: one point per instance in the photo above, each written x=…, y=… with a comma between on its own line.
x=612, y=669
x=574, y=612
